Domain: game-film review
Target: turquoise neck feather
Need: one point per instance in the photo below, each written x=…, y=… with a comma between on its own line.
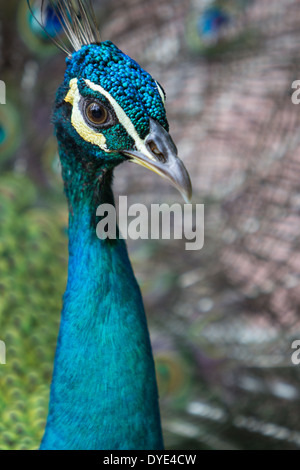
x=104, y=392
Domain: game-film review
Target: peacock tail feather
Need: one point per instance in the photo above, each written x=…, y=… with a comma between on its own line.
x=227, y=314
x=31, y=285
x=10, y=131
x=37, y=38
x=216, y=28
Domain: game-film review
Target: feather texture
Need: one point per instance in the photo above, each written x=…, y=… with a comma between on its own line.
x=76, y=18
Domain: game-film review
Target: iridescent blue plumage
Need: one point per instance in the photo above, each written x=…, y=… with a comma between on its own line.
x=51, y=23
x=108, y=110
x=104, y=393
x=131, y=86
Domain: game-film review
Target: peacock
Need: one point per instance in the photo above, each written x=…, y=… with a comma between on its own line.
x=108, y=110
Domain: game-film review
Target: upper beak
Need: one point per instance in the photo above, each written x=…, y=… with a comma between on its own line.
x=159, y=154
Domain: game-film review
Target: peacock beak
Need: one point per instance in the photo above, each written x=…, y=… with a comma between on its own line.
x=158, y=153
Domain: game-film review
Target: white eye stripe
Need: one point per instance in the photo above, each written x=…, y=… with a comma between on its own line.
x=91, y=135
x=123, y=119
x=161, y=92
x=78, y=122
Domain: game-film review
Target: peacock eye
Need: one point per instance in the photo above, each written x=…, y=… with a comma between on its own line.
x=96, y=114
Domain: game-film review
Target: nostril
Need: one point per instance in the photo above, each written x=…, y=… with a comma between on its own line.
x=155, y=151
x=154, y=148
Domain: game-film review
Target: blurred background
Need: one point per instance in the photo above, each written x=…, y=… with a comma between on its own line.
x=222, y=319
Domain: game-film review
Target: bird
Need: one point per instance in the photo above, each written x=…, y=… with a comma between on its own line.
x=107, y=111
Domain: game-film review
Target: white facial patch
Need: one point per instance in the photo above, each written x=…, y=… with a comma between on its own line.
x=78, y=122
x=91, y=135
x=123, y=119
x=161, y=93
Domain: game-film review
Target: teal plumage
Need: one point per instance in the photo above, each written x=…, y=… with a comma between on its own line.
x=104, y=360
x=104, y=393
x=108, y=110
x=132, y=87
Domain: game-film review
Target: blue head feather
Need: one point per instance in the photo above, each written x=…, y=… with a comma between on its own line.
x=128, y=84
x=132, y=87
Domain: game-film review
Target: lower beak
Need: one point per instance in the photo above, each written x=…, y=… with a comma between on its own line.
x=159, y=154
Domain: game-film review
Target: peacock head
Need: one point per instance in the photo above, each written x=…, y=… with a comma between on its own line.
x=108, y=109
x=111, y=110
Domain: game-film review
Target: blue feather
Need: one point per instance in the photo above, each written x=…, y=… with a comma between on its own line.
x=46, y=23
x=104, y=393
x=212, y=21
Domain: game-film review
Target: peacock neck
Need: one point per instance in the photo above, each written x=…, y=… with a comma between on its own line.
x=103, y=392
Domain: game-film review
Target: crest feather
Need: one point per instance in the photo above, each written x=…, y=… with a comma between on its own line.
x=77, y=19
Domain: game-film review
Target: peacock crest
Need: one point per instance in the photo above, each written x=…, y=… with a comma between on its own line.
x=75, y=18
